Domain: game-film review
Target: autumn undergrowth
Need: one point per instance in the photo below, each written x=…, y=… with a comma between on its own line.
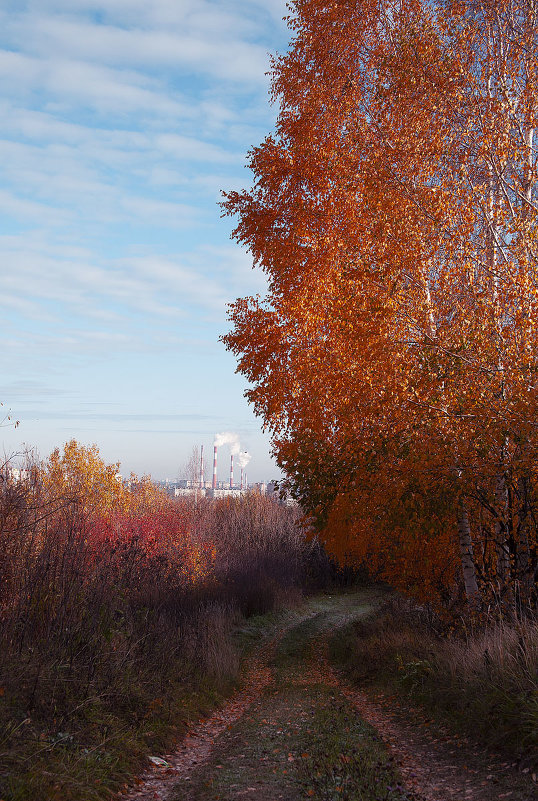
x=86, y=731
x=482, y=680
x=117, y=621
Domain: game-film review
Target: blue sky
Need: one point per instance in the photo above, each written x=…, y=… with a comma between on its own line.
x=121, y=121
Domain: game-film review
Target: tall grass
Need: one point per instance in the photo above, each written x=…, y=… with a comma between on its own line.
x=483, y=680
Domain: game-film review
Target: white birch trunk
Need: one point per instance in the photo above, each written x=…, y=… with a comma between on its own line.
x=466, y=555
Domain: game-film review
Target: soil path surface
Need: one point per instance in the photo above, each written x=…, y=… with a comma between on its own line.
x=297, y=731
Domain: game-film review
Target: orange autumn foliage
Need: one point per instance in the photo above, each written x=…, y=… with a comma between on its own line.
x=79, y=474
x=395, y=354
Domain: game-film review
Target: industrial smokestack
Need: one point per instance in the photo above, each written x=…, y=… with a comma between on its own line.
x=202, y=478
x=232, y=439
x=244, y=459
x=215, y=467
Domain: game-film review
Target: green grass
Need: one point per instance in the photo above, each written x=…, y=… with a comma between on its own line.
x=346, y=760
x=298, y=743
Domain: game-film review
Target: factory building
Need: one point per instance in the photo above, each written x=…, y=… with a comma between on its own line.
x=225, y=493
x=197, y=486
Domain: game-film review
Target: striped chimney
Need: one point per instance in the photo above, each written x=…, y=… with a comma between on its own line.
x=231, y=471
x=215, y=467
x=242, y=476
x=201, y=466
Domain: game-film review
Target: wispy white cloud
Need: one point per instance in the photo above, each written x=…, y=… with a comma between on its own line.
x=217, y=39
x=120, y=122
x=76, y=83
x=204, y=48
x=85, y=288
x=185, y=147
x=26, y=390
x=23, y=209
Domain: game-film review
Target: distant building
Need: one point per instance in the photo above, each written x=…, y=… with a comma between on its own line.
x=186, y=483
x=183, y=492
x=16, y=474
x=272, y=490
x=225, y=493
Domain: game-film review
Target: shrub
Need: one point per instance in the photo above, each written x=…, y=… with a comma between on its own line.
x=116, y=615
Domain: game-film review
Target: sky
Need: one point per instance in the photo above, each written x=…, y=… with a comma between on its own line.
x=121, y=122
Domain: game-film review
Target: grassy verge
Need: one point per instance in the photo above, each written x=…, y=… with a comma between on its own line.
x=484, y=683
x=82, y=736
x=84, y=739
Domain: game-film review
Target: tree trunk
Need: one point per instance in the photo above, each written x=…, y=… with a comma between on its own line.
x=466, y=554
x=501, y=533
x=524, y=567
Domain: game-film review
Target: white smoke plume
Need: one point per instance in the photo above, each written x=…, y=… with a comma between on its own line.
x=228, y=438
x=244, y=458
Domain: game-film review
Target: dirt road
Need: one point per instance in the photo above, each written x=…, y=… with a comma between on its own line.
x=296, y=731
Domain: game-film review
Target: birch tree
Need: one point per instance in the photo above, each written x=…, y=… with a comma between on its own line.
x=394, y=356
